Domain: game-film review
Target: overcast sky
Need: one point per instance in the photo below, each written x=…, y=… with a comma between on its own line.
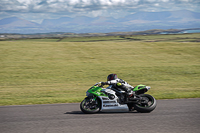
x=37, y=10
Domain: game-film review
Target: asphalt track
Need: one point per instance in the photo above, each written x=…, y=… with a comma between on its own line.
x=170, y=116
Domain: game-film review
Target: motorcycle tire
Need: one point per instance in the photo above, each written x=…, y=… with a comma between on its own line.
x=146, y=105
x=89, y=108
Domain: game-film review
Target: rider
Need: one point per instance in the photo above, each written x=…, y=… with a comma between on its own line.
x=119, y=83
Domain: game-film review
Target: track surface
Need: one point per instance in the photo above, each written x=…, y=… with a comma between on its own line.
x=170, y=116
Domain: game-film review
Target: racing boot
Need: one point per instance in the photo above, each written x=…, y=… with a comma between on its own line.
x=130, y=93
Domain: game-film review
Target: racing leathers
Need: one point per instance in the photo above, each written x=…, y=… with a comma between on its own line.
x=121, y=84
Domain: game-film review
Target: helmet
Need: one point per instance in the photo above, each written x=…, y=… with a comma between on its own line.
x=111, y=77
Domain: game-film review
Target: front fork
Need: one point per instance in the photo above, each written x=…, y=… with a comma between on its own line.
x=93, y=100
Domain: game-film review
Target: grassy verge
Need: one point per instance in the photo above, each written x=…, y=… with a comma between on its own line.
x=40, y=72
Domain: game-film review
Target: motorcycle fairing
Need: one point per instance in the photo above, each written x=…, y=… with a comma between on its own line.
x=96, y=91
x=108, y=105
x=111, y=105
x=141, y=89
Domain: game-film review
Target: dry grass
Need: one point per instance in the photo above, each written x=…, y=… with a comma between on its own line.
x=34, y=72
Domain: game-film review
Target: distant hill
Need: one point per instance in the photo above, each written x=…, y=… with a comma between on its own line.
x=18, y=24
x=139, y=21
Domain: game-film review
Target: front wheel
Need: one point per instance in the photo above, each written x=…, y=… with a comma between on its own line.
x=146, y=104
x=89, y=106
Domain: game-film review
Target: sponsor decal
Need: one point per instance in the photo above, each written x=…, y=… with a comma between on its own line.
x=111, y=105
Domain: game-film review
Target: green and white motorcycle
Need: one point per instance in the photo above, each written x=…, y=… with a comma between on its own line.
x=112, y=99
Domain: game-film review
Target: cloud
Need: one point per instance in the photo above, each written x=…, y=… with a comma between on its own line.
x=80, y=5
x=93, y=8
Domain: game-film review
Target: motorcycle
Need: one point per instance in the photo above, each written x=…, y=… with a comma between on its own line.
x=113, y=99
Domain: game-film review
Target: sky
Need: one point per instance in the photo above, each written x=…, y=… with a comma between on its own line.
x=37, y=10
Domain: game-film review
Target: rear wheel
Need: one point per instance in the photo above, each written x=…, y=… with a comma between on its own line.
x=90, y=106
x=146, y=104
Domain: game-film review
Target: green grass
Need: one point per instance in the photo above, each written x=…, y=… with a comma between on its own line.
x=46, y=71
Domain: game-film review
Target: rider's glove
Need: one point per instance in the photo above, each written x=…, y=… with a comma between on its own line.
x=104, y=83
x=101, y=83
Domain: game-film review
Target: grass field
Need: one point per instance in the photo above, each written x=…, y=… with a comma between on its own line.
x=50, y=71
